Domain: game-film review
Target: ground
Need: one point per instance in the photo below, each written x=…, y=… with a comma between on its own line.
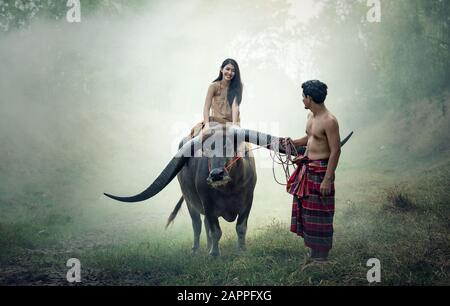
x=400, y=218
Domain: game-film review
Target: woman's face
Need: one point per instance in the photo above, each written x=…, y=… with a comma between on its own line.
x=228, y=72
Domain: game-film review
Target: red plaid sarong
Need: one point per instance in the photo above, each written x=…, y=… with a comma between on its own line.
x=312, y=213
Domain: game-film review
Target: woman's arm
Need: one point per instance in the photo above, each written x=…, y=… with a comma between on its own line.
x=208, y=102
x=235, y=113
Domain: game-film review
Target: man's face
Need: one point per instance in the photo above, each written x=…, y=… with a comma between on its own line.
x=306, y=101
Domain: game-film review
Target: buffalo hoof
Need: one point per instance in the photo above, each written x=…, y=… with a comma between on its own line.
x=242, y=248
x=214, y=254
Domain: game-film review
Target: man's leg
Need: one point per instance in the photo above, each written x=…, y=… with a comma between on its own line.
x=319, y=255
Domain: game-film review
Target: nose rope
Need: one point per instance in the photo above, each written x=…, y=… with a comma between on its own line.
x=285, y=160
x=227, y=166
x=234, y=160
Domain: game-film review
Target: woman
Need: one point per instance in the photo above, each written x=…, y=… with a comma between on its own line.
x=224, y=96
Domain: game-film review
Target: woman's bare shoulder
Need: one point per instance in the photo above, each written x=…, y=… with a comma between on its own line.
x=214, y=86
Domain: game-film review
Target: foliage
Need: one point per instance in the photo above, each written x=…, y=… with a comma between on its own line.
x=19, y=14
x=49, y=205
x=402, y=59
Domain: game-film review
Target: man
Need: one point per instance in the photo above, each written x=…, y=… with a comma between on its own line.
x=312, y=183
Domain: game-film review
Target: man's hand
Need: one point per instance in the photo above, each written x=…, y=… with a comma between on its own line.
x=325, y=187
x=298, y=159
x=284, y=142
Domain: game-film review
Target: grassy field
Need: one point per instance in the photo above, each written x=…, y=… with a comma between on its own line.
x=99, y=106
x=392, y=203
x=401, y=219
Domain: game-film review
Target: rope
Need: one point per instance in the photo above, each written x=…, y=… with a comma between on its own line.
x=235, y=159
x=285, y=160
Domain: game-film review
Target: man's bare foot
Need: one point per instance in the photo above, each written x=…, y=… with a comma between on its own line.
x=315, y=262
x=318, y=255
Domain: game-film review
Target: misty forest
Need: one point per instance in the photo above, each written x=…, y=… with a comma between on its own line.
x=96, y=95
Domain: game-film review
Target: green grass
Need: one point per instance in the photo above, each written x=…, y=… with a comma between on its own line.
x=400, y=216
x=412, y=246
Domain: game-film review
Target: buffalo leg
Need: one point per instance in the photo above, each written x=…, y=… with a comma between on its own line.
x=208, y=234
x=197, y=226
x=241, y=229
x=216, y=234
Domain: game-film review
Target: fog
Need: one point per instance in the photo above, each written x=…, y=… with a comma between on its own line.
x=99, y=106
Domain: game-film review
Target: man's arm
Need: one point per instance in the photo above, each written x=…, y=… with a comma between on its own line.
x=334, y=142
x=301, y=142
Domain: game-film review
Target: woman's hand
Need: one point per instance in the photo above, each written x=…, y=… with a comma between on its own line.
x=206, y=130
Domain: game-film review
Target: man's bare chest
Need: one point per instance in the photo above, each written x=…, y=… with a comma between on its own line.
x=314, y=128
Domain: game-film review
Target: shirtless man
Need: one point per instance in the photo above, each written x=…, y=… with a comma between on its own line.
x=312, y=184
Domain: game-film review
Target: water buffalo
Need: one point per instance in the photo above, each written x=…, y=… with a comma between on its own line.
x=214, y=182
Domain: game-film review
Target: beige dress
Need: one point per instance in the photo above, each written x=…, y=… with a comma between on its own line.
x=220, y=108
x=221, y=113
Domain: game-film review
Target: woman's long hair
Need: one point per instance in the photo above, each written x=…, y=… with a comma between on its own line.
x=235, y=87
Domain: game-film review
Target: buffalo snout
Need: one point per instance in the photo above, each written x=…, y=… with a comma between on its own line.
x=218, y=177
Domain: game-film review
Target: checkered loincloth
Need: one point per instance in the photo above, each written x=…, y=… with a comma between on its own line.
x=312, y=213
